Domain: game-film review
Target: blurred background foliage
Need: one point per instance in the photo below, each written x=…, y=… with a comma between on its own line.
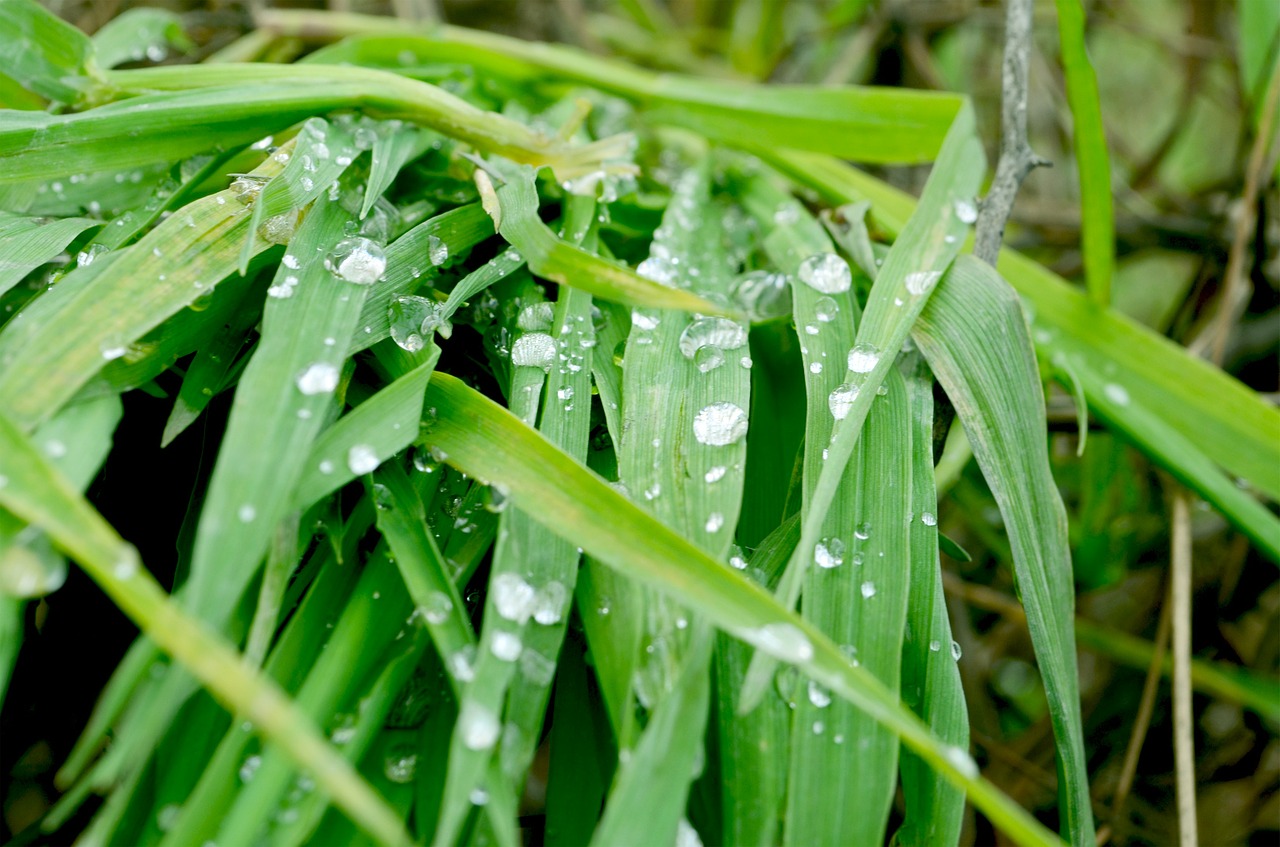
x=1180, y=84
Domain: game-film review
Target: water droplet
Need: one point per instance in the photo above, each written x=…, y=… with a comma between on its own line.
x=407, y=315
x=762, y=295
x=863, y=358
x=168, y=816
x=362, y=459
x=966, y=211
x=513, y=598
x=112, y=349
x=928, y=519
x=644, y=320
x=868, y=590
x=921, y=282
x=826, y=309
x=401, y=764
x=826, y=272
x=437, y=250
x=1116, y=393
x=708, y=358
x=318, y=378
x=956, y=652
x=249, y=768
x=436, y=608
x=862, y=531
x=720, y=424
x=478, y=726
x=478, y=796
x=962, y=762
x=548, y=605
x=291, y=262
x=829, y=553
x=658, y=269
x=278, y=229
x=815, y=367
x=935, y=646
x=536, y=317
x=840, y=400
x=505, y=646
x=715, y=520
x=359, y=260
x=534, y=350
x=462, y=663
x=818, y=695
x=782, y=640
x=715, y=474
x=246, y=513
x=721, y=333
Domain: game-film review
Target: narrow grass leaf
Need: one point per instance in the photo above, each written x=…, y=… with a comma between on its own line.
x=44, y=53
x=1096, y=214
x=138, y=34
x=28, y=242
x=974, y=335
x=930, y=675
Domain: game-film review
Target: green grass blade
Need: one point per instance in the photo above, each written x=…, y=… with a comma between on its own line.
x=922, y=251
x=43, y=52
x=553, y=258
x=138, y=34
x=1225, y=421
x=996, y=390
x=28, y=242
x=862, y=123
x=930, y=677
x=275, y=417
x=1098, y=238
x=37, y=493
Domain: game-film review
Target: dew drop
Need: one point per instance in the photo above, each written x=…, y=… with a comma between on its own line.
x=548, y=604
x=318, y=378
x=921, y=282
x=829, y=553
x=362, y=459
x=840, y=400
x=762, y=295
x=715, y=474
x=478, y=726
x=720, y=424
x=1116, y=393
x=513, y=598
x=534, y=350
x=826, y=272
x=407, y=315
x=863, y=358
x=436, y=608
x=246, y=513
x=782, y=640
x=401, y=764
x=505, y=646
x=818, y=695
x=868, y=590
x=716, y=332
x=956, y=652
x=715, y=520
x=966, y=211
x=826, y=309
x=536, y=317
x=437, y=250
x=358, y=260
x=928, y=519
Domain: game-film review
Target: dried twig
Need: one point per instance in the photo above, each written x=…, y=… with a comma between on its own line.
x=1184, y=754
x=1016, y=157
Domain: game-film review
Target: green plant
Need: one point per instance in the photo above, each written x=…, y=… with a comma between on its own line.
x=519, y=419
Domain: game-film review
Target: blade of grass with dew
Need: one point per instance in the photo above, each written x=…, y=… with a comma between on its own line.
x=553, y=258
x=44, y=365
x=934, y=809
x=861, y=123
x=685, y=392
x=1224, y=421
x=381, y=426
x=39, y=494
x=566, y=422
x=394, y=146
x=137, y=34
x=28, y=242
x=752, y=746
x=44, y=53
x=974, y=335
x=922, y=251
x=857, y=594
x=1096, y=214
x=487, y=441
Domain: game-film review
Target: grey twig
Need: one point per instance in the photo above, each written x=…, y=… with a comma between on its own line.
x=1016, y=157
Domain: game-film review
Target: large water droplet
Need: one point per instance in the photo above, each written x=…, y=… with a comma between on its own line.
x=548, y=604
x=762, y=295
x=818, y=695
x=921, y=282
x=478, y=726
x=720, y=424
x=362, y=459
x=826, y=309
x=359, y=260
x=829, y=553
x=863, y=358
x=505, y=646
x=782, y=640
x=716, y=332
x=840, y=400
x=401, y=764
x=966, y=211
x=318, y=378
x=826, y=272
x=536, y=317
x=407, y=314
x=437, y=250
x=534, y=350
x=868, y=590
x=513, y=598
